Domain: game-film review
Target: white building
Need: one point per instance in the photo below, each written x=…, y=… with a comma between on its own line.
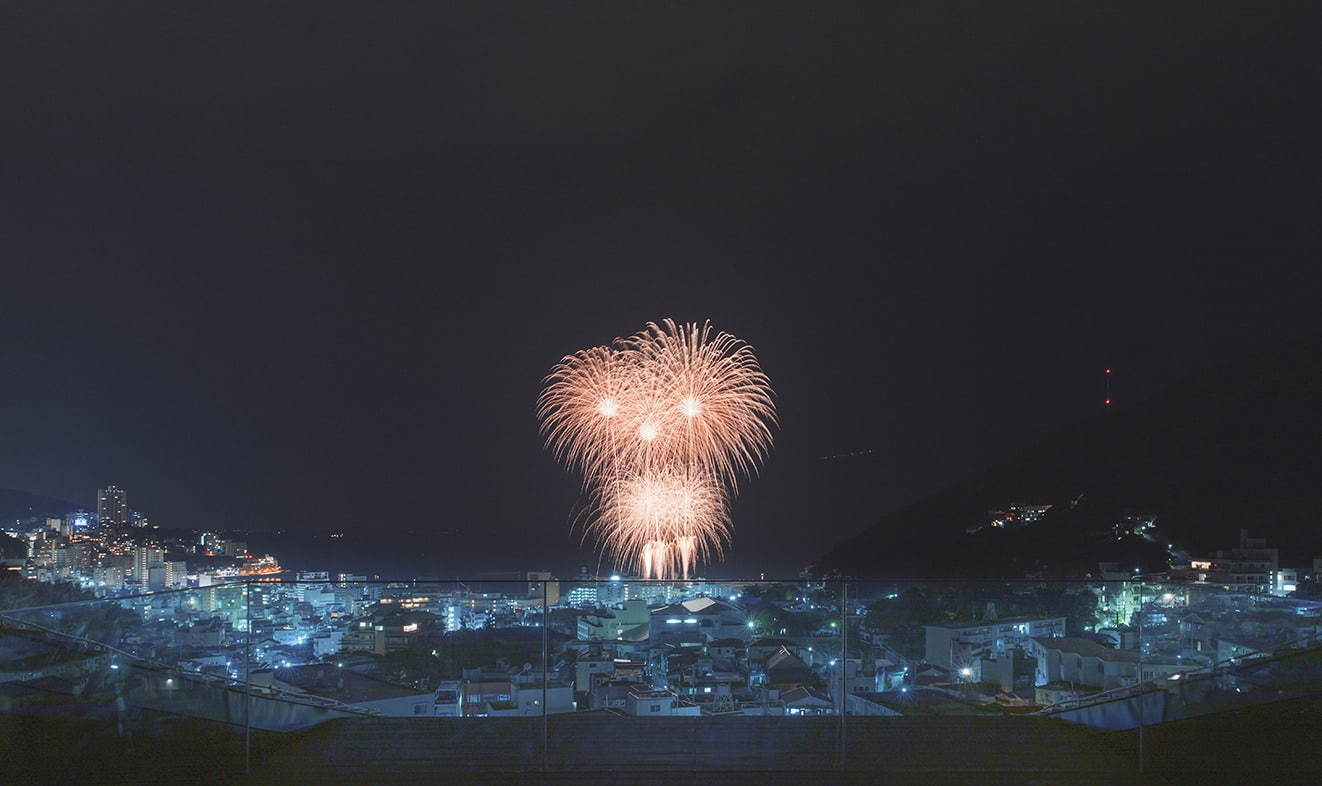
x=657, y=703
x=955, y=647
x=708, y=619
x=628, y=620
x=582, y=595
x=327, y=643
x=1085, y=664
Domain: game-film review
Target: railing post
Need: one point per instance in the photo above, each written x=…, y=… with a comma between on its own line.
x=546, y=659
x=844, y=670
x=1140, y=699
x=247, y=678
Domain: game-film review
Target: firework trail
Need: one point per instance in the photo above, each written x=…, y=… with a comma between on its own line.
x=661, y=424
x=662, y=522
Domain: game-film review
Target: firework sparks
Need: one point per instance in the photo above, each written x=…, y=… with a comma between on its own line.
x=661, y=424
x=662, y=521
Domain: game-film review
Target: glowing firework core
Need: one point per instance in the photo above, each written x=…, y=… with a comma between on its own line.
x=661, y=424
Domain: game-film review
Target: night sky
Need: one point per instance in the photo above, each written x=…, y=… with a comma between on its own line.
x=304, y=264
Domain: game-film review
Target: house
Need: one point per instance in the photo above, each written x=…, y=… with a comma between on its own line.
x=761, y=649
x=707, y=684
x=1252, y=567
x=657, y=703
x=785, y=671
x=1085, y=664
x=588, y=664
x=955, y=646
x=698, y=620
x=887, y=675
x=327, y=643
x=330, y=681
x=528, y=699
x=485, y=697
x=1244, y=648
x=726, y=650
x=449, y=700
x=626, y=622
x=384, y=632
x=807, y=701
x=607, y=693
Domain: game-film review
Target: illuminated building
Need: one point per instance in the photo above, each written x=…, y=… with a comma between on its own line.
x=112, y=506
x=582, y=595
x=956, y=646
x=628, y=621
x=266, y=565
x=108, y=576
x=657, y=703
x=144, y=559
x=1252, y=567
x=697, y=621
x=612, y=592
x=1086, y=664
x=176, y=574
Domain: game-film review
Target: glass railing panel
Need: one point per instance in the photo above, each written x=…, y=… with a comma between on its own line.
x=701, y=674
x=982, y=660
x=520, y=675
x=422, y=663
x=113, y=680
x=1252, y=678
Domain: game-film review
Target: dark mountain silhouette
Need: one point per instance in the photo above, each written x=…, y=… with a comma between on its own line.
x=1237, y=446
x=25, y=507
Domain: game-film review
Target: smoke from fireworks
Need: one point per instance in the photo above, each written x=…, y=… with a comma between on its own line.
x=661, y=424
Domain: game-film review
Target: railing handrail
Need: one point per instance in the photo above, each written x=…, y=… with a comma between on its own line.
x=260, y=581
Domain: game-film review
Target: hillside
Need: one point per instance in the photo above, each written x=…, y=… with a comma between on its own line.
x=23, y=506
x=1233, y=446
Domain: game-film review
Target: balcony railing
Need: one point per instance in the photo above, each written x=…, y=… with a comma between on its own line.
x=296, y=677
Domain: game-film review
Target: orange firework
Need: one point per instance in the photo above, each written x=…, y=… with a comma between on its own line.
x=661, y=424
x=582, y=406
x=702, y=400
x=662, y=522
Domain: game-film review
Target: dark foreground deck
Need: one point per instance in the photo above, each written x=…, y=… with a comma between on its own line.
x=1269, y=741
x=600, y=747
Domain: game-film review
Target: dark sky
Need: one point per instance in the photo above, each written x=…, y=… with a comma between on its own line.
x=305, y=263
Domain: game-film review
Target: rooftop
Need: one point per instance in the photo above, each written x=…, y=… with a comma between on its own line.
x=1087, y=648
x=344, y=685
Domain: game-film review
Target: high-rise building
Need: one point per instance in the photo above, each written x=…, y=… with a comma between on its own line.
x=144, y=559
x=42, y=550
x=176, y=574
x=112, y=506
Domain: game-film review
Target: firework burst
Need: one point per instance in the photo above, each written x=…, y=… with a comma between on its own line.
x=661, y=424
x=662, y=522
